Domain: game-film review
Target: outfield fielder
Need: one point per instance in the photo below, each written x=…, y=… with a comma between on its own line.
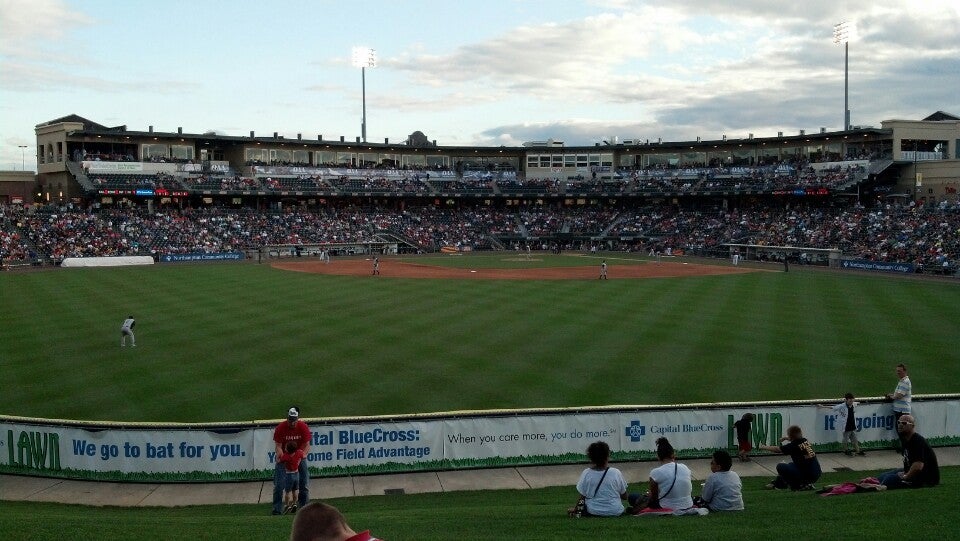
x=126, y=329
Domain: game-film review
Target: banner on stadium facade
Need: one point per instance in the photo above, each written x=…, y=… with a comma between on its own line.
x=113, y=167
x=247, y=452
x=349, y=172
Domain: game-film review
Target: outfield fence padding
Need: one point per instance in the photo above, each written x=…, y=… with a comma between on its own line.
x=441, y=441
x=117, y=261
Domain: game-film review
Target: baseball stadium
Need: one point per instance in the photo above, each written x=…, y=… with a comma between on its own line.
x=455, y=313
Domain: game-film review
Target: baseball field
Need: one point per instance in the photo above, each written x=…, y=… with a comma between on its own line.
x=237, y=342
x=234, y=342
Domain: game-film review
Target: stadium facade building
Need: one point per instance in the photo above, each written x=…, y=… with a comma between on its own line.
x=82, y=161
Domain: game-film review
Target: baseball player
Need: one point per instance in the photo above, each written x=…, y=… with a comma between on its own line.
x=127, y=330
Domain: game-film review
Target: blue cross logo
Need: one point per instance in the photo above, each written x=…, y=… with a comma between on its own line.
x=636, y=431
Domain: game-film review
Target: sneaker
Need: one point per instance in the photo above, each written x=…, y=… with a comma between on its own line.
x=293, y=509
x=807, y=487
x=771, y=486
x=275, y=512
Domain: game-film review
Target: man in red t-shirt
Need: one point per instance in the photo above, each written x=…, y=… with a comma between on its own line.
x=295, y=430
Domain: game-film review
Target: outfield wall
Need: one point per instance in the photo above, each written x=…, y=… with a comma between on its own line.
x=442, y=441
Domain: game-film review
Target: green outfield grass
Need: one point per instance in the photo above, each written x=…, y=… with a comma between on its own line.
x=527, y=514
x=243, y=341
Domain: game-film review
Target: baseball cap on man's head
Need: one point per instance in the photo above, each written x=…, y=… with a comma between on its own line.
x=293, y=413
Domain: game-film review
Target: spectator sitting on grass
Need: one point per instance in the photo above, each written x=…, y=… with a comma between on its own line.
x=723, y=489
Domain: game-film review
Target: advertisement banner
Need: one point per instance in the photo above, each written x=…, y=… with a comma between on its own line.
x=348, y=446
x=686, y=429
x=516, y=436
x=246, y=452
x=879, y=266
x=200, y=256
x=130, y=451
x=113, y=167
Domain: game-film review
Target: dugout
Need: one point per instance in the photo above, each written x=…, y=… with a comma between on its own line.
x=825, y=257
x=285, y=251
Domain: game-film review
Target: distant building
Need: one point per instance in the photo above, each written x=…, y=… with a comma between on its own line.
x=547, y=143
x=81, y=160
x=417, y=139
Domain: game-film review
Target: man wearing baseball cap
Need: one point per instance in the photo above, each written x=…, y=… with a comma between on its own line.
x=295, y=430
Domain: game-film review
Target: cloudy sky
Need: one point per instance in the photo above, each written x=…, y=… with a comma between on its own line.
x=472, y=73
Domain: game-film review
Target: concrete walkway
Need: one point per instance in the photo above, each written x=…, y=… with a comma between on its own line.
x=37, y=489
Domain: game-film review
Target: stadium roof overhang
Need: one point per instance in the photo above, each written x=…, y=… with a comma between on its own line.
x=121, y=134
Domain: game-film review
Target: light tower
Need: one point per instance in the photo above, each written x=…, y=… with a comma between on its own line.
x=363, y=58
x=23, y=161
x=843, y=33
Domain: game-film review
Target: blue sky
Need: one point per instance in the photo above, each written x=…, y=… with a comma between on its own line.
x=472, y=73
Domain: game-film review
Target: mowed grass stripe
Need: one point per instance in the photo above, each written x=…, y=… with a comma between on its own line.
x=244, y=341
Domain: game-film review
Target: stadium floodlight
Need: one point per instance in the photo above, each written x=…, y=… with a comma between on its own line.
x=23, y=159
x=842, y=33
x=363, y=58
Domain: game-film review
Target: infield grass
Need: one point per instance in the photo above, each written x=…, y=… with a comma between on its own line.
x=219, y=342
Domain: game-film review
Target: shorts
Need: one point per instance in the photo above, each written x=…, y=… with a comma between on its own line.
x=745, y=446
x=291, y=481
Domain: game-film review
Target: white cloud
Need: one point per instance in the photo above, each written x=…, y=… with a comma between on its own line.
x=26, y=77
x=620, y=67
x=34, y=28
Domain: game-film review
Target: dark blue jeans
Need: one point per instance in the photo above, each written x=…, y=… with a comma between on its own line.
x=892, y=480
x=795, y=478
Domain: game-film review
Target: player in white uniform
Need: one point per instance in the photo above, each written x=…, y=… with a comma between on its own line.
x=127, y=330
x=603, y=270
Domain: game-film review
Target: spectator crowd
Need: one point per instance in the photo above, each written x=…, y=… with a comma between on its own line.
x=928, y=237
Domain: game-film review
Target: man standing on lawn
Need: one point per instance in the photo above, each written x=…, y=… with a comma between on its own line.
x=901, y=396
x=297, y=431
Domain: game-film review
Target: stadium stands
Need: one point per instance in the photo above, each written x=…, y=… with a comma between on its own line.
x=926, y=237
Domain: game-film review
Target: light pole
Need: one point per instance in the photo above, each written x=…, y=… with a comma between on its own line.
x=23, y=149
x=363, y=58
x=843, y=33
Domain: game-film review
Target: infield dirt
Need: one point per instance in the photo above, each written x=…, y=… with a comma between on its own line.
x=391, y=268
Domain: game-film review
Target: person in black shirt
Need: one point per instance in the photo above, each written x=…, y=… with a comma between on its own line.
x=744, y=443
x=844, y=413
x=920, y=467
x=803, y=470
